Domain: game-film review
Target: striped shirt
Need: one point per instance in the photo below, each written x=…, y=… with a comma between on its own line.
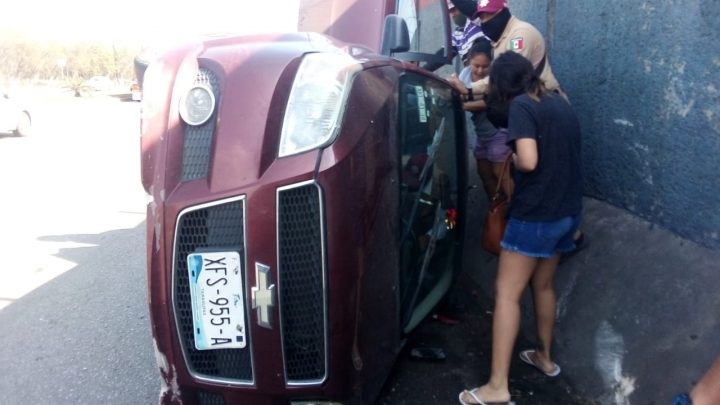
x=463, y=38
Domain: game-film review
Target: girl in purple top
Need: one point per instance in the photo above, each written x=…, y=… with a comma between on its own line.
x=490, y=148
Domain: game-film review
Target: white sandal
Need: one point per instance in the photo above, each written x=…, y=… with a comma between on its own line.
x=479, y=401
x=525, y=357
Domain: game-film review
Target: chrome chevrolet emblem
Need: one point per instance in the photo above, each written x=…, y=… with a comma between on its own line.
x=263, y=295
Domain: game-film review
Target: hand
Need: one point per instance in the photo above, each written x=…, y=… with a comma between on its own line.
x=457, y=84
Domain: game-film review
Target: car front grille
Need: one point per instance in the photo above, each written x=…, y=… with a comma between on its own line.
x=216, y=226
x=301, y=268
x=198, y=138
x=209, y=398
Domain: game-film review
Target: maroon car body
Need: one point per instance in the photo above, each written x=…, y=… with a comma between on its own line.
x=344, y=245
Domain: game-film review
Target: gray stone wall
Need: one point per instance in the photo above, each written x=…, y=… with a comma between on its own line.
x=644, y=77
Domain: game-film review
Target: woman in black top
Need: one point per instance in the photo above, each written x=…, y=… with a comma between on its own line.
x=544, y=133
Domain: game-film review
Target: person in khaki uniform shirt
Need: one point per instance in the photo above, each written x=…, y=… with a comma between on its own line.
x=509, y=33
x=521, y=37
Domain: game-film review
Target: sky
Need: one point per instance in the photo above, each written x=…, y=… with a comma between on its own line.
x=142, y=22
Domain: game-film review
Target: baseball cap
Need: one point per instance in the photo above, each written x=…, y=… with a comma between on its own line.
x=491, y=6
x=450, y=5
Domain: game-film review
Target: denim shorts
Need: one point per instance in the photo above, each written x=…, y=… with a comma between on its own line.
x=540, y=239
x=682, y=399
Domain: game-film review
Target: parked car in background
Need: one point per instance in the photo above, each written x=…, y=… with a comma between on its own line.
x=308, y=203
x=135, y=92
x=14, y=118
x=99, y=83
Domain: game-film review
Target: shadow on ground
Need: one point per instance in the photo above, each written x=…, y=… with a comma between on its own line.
x=467, y=364
x=84, y=336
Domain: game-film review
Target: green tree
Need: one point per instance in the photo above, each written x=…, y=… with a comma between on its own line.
x=25, y=59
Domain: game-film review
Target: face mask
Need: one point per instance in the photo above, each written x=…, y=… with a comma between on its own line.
x=459, y=20
x=494, y=27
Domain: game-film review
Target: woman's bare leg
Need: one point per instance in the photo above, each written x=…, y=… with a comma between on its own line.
x=514, y=273
x=544, y=302
x=486, y=172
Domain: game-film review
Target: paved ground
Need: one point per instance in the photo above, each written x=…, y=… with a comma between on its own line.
x=467, y=348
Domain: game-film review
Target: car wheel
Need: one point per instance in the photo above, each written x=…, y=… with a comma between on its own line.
x=24, y=124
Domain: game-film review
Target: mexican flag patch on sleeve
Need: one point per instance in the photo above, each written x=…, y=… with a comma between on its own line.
x=516, y=44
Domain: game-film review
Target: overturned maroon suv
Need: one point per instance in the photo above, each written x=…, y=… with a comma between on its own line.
x=308, y=203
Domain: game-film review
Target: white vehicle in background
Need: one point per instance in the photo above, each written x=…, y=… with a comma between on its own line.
x=13, y=118
x=99, y=83
x=135, y=92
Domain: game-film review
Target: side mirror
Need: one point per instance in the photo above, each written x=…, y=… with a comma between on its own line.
x=434, y=64
x=396, y=37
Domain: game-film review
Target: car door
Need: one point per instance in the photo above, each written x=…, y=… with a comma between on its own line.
x=432, y=192
x=432, y=158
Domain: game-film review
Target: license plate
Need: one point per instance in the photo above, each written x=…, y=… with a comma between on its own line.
x=216, y=293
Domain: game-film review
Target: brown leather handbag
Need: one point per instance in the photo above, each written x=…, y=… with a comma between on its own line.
x=496, y=217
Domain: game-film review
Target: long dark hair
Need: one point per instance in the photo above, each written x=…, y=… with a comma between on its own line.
x=481, y=45
x=512, y=74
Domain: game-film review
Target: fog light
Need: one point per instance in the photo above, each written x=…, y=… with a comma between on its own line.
x=197, y=105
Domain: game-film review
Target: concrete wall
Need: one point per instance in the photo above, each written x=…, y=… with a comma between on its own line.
x=644, y=77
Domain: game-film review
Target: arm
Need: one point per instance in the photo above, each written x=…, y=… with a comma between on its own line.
x=464, y=91
x=523, y=131
x=533, y=43
x=480, y=86
x=476, y=105
x=526, y=155
x=707, y=390
x=457, y=84
x=465, y=86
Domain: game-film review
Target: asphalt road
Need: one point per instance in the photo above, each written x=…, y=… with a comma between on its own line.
x=73, y=310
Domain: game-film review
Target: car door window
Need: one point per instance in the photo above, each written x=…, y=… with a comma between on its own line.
x=429, y=185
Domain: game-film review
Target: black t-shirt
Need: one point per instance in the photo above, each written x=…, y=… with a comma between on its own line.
x=554, y=189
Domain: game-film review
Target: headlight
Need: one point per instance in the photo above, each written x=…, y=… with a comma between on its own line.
x=317, y=101
x=197, y=105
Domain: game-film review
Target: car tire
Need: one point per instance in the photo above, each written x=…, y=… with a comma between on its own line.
x=24, y=124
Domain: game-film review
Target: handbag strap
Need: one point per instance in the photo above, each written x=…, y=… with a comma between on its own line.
x=502, y=176
x=541, y=66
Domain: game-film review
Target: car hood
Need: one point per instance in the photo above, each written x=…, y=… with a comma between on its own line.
x=253, y=76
